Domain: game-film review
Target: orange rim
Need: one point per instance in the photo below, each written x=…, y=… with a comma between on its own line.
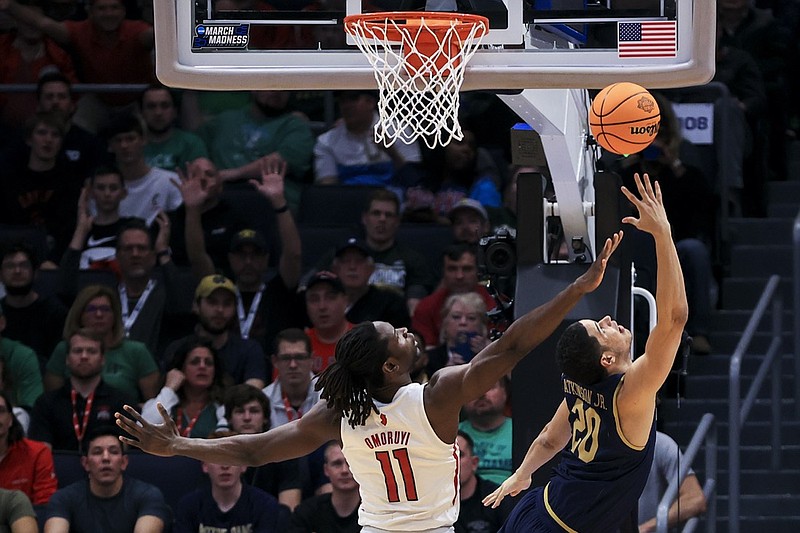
x=462, y=23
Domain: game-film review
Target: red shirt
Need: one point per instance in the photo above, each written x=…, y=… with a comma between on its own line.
x=322, y=353
x=427, y=320
x=123, y=60
x=28, y=467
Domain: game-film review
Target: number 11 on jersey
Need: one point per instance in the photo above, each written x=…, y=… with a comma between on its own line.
x=400, y=456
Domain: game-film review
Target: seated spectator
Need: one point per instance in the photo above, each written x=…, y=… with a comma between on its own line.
x=690, y=502
x=474, y=516
x=62, y=417
x=22, y=379
x=397, y=266
x=167, y=147
x=81, y=148
x=192, y=394
x=150, y=189
x=215, y=306
x=220, y=217
x=95, y=236
x=16, y=512
x=239, y=141
x=326, y=305
x=348, y=153
x=34, y=320
x=149, y=286
x=469, y=220
x=271, y=305
x=458, y=170
x=42, y=190
x=247, y=411
x=108, y=47
x=460, y=275
x=107, y=500
x=336, y=511
x=353, y=264
x=490, y=429
x=26, y=55
x=463, y=334
x=129, y=367
x=229, y=505
x=25, y=464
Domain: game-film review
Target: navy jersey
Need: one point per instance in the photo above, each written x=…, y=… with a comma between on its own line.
x=601, y=475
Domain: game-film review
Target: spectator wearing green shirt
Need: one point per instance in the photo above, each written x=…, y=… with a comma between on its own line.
x=129, y=367
x=167, y=147
x=19, y=366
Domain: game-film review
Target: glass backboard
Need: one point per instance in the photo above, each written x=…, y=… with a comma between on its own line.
x=301, y=44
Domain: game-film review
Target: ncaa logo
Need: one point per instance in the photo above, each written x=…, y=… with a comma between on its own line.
x=200, y=30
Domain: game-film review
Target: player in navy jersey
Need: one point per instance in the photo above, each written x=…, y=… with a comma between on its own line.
x=605, y=426
x=398, y=436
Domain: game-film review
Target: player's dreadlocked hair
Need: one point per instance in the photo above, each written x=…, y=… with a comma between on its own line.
x=347, y=383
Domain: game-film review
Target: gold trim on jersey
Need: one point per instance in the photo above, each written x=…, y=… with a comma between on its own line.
x=617, y=421
x=553, y=514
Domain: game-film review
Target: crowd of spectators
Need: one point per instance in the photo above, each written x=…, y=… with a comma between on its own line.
x=168, y=264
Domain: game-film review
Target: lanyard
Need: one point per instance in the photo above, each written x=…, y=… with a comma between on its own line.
x=80, y=428
x=290, y=411
x=246, y=322
x=129, y=319
x=179, y=420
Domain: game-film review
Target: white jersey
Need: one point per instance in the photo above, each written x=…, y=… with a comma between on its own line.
x=408, y=476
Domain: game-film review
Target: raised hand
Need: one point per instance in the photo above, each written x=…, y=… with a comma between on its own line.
x=174, y=379
x=591, y=279
x=511, y=486
x=157, y=439
x=273, y=174
x=162, y=239
x=652, y=216
x=192, y=189
x=85, y=219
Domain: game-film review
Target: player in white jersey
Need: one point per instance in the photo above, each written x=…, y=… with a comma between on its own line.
x=398, y=437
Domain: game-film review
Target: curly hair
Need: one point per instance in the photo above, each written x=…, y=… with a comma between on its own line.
x=181, y=355
x=578, y=355
x=347, y=384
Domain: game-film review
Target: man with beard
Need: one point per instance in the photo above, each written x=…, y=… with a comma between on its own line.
x=240, y=140
x=65, y=416
x=34, y=320
x=167, y=147
x=215, y=306
x=490, y=430
x=107, y=500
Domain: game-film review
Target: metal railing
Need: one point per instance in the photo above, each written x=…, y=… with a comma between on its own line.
x=796, y=316
x=739, y=409
x=706, y=432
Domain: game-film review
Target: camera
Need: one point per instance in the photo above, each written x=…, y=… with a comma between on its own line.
x=497, y=253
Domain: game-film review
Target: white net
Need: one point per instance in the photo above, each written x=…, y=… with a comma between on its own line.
x=419, y=66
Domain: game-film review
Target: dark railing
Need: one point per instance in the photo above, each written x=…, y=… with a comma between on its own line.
x=739, y=409
x=706, y=432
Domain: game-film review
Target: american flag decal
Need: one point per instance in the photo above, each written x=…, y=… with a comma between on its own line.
x=647, y=39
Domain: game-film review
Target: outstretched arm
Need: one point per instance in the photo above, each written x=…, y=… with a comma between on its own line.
x=550, y=441
x=288, y=441
x=649, y=371
x=456, y=385
x=33, y=17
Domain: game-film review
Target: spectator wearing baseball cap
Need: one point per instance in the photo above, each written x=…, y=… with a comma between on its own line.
x=469, y=220
x=353, y=264
x=215, y=307
x=263, y=306
x=326, y=306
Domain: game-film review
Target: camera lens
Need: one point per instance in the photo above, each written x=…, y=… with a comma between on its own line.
x=500, y=258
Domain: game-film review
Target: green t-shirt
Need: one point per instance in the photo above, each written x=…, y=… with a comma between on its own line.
x=13, y=506
x=175, y=152
x=22, y=366
x=125, y=365
x=493, y=449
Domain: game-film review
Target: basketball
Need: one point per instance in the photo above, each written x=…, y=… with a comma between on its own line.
x=624, y=118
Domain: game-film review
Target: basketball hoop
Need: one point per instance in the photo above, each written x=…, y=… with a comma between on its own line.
x=418, y=59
